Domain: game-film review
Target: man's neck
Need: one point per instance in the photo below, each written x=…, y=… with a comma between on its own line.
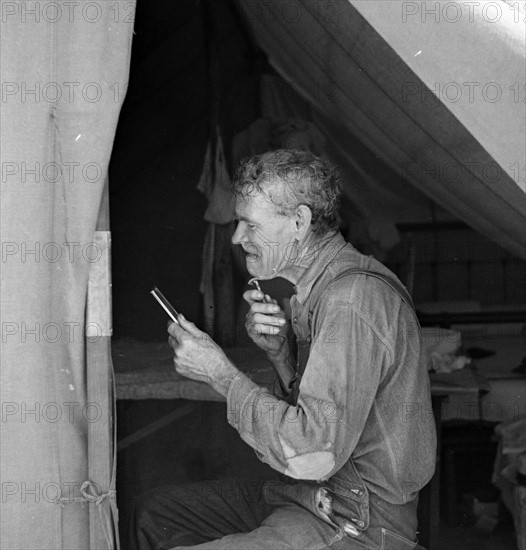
x=306, y=253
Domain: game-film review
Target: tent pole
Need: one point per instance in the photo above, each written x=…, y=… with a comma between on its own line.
x=103, y=516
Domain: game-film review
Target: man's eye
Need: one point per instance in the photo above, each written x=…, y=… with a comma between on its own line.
x=252, y=225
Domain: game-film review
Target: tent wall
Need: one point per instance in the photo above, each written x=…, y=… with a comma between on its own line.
x=157, y=213
x=469, y=158
x=470, y=58
x=64, y=73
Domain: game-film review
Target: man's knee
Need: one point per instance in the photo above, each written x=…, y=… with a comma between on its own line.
x=152, y=513
x=144, y=508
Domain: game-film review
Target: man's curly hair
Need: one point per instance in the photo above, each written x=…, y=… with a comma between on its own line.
x=290, y=178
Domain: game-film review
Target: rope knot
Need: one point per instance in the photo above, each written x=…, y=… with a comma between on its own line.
x=93, y=494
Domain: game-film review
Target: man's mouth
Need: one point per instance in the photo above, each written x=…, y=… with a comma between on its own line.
x=251, y=255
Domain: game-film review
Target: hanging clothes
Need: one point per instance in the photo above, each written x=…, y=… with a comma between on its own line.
x=214, y=183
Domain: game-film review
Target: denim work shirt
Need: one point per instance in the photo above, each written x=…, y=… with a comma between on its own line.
x=363, y=421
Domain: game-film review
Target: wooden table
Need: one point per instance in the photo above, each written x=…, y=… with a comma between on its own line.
x=145, y=370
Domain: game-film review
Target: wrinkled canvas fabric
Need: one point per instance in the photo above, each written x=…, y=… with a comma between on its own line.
x=64, y=71
x=370, y=71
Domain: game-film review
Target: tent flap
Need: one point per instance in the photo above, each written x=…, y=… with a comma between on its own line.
x=64, y=75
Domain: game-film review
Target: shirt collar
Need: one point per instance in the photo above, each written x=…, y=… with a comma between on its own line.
x=311, y=261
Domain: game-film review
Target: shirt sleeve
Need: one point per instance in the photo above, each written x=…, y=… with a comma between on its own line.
x=313, y=439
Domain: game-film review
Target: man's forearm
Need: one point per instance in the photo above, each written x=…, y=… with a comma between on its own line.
x=221, y=382
x=284, y=365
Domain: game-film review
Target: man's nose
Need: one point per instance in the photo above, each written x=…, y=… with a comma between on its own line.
x=239, y=235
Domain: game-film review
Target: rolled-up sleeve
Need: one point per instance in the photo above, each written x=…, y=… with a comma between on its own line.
x=313, y=439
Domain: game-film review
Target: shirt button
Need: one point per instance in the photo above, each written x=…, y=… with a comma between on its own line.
x=295, y=320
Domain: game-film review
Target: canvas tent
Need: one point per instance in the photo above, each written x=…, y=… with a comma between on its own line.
x=375, y=61
x=64, y=70
x=435, y=92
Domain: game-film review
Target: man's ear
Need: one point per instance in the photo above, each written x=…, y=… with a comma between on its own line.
x=303, y=221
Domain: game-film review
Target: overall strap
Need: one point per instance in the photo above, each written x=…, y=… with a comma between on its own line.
x=304, y=347
x=395, y=285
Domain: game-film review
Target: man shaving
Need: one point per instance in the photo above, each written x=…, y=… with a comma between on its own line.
x=341, y=425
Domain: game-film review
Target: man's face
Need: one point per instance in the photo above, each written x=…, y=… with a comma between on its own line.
x=266, y=236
